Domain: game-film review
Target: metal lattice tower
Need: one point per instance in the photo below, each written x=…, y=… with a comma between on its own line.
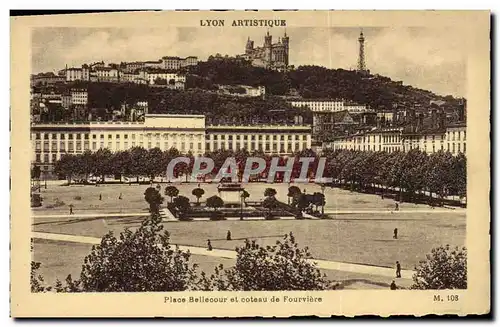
x=361, y=59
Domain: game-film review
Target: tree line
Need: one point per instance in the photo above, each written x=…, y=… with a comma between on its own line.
x=409, y=174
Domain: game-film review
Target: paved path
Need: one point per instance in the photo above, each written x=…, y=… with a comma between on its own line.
x=408, y=211
x=220, y=253
x=93, y=215
x=329, y=212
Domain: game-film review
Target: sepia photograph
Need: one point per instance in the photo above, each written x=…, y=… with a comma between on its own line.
x=254, y=159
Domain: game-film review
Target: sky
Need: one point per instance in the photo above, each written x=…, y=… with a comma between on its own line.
x=428, y=58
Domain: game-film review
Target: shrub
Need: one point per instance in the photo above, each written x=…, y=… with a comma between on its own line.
x=217, y=215
x=171, y=207
x=214, y=202
x=270, y=216
x=444, y=268
x=136, y=262
x=182, y=204
x=60, y=203
x=284, y=266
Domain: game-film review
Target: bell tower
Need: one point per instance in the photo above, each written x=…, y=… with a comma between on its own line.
x=286, y=43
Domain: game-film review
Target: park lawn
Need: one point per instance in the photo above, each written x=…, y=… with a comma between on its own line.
x=60, y=259
x=133, y=197
x=356, y=240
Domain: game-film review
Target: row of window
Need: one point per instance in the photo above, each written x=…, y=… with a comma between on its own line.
x=460, y=147
x=397, y=138
x=157, y=136
x=222, y=137
x=72, y=146
x=267, y=147
x=86, y=136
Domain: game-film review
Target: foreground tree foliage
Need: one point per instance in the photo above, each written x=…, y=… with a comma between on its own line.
x=284, y=266
x=444, y=268
x=138, y=261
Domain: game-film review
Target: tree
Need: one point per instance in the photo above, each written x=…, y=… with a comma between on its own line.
x=182, y=205
x=66, y=166
x=171, y=191
x=86, y=164
x=198, y=193
x=303, y=201
x=270, y=192
x=284, y=266
x=438, y=174
x=121, y=163
x=154, y=163
x=36, y=172
x=138, y=157
x=103, y=159
x=140, y=261
x=215, y=202
x=318, y=199
x=459, y=173
x=154, y=199
x=244, y=195
x=293, y=191
x=270, y=203
x=444, y=268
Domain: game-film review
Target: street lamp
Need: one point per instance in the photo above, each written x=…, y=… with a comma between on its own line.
x=241, y=206
x=324, y=200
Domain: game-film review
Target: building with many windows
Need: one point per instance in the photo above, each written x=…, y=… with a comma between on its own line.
x=270, y=139
x=79, y=97
x=451, y=139
x=456, y=138
x=174, y=63
x=187, y=133
x=385, y=139
x=320, y=105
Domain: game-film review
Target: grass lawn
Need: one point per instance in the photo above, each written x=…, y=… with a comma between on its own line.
x=358, y=240
x=133, y=197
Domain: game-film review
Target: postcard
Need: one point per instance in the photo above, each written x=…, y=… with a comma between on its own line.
x=250, y=164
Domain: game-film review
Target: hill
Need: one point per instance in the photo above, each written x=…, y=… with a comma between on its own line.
x=314, y=82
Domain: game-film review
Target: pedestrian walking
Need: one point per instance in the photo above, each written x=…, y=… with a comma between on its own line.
x=395, y=236
x=396, y=207
x=209, y=245
x=120, y=197
x=70, y=209
x=228, y=236
x=398, y=269
x=393, y=286
x=100, y=197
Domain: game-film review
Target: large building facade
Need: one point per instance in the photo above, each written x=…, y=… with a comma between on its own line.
x=270, y=55
x=452, y=139
x=186, y=133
